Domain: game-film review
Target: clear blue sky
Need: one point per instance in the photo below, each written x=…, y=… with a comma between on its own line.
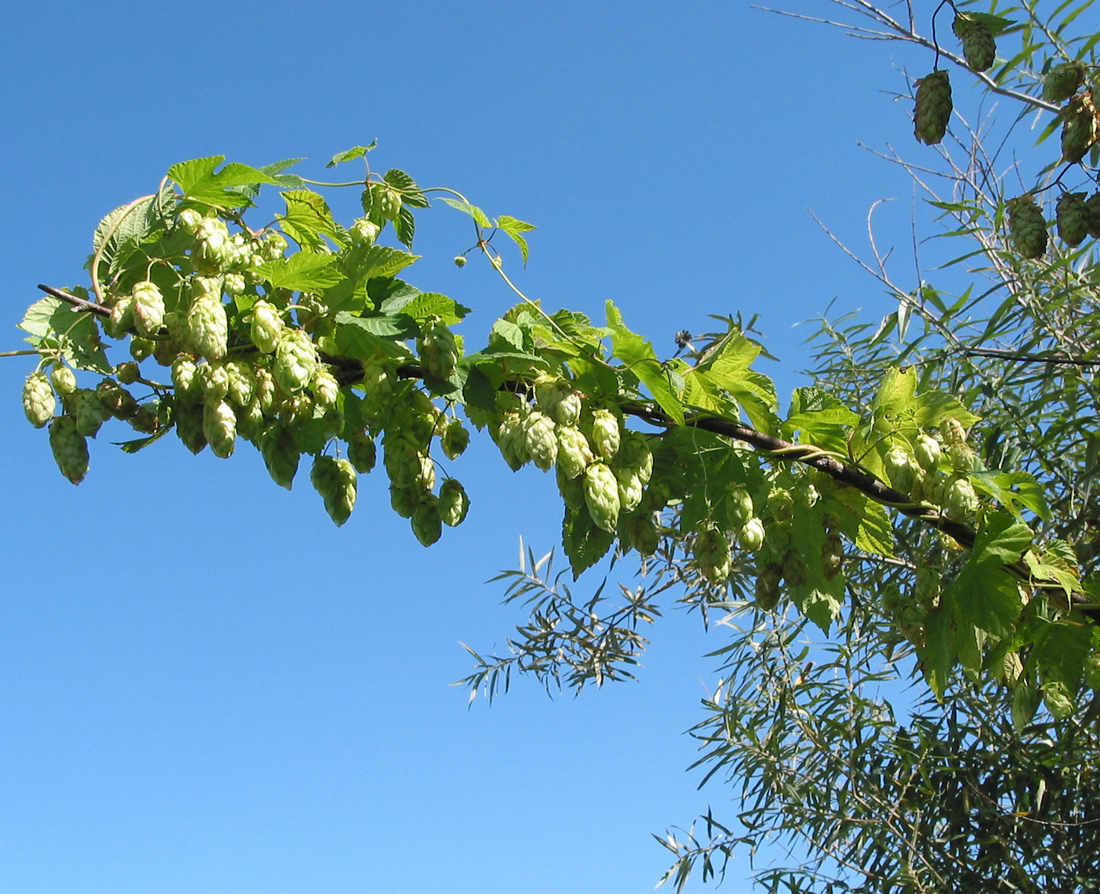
x=204, y=685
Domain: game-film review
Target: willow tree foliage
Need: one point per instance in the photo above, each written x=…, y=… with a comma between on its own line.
x=926, y=504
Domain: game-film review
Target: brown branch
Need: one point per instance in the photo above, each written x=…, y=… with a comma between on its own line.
x=1028, y=358
x=77, y=303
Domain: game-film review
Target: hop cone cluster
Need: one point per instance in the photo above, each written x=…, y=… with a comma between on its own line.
x=1062, y=81
x=1028, y=227
x=933, y=109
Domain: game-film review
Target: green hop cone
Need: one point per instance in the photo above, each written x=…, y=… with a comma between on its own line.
x=540, y=439
x=295, y=360
x=574, y=452
x=437, y=348
x=241, y=382
x=454, y=440
x=601, y=495
x=1080, y=128
x=63, y=379
x=335, y=480
x=795, y=572
x=219, y=426
x=427, y=524
x=712, y=554
x=362, y=452
x=750, y=536
x=148, y=304
x=185, y=377
x=639, y=531
x=1092, y=209
x=281, y=454
x=387, y=200
x=324, y=386
x=363, y=231
x=1062, y=81
x=1028, y=227
x=631, y=489
x=206, y=325
x=832, y=555
x=605, y=433
x=979, y=47
x=265, y=327
x=121, y=319
x=264, y=391
x=118, y=401
x=70, y=450
x=740, y=507
x=928, y=452
x=453, y=503
x=38, y=400
x=960, y=500
x=932, y=113
x=511, y=438
x=901, y=468
x=128, y=373
x=213, y=250
x=557, y=399
x=89, y=412
x=189, y=427
x=213, y=381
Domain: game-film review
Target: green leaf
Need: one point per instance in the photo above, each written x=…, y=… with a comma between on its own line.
x=986, y=597
x=638, y=355
x=476, y=213
x=405, y=227
x=383, y=261
x=410, y=193
x=428, y=304
x=1013, y=490
x=896, y=393
x=515, y=229
x=937, y=655
x=308, y=218
x=363, y=337
x=72, y=332
x=302, y=271
x=874, y=531
x=199, y=180
x=1025, y=702
x=1000, y=539
x=350, y=154
x=585, y=543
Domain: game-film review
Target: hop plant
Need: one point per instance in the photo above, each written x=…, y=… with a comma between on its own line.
x=89, y=412
x=750, y=536
x=454, y=439
x=148, y=308
x=574, y=452
x=928, y=452
x=979, y=46
x=556, y=397
x=70, y=449
x=265, y=327
x=387, y=200
x=362, y=452
x=540, y=439
x=281, y=455
x=932, y=113
x=324, y=386
x=63, y=380
x=605, y=433
x=1028, y=227
x=601, y=495
x=38, y=400
x=335, y=480
x=1062, y=81
x=426, y=520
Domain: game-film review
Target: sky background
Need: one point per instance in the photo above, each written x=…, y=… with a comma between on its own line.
x=204, y=685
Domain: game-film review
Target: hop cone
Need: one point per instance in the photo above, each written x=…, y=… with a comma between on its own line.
x=1062, y=81
x=64, y=379
x=1028, y=227
x=639, y=531
x=454, y=440
x=453, y=502
x=281, y=455
x=1073, y=218
x=241, y=383
x=189, y=427
x=295, y=359
x=767, y=591
x=631, y=488
x=362, y=452
x=750, y=536
x=557, y=399
x=601, y=494
x=635, y=455
x=206, y=325
x=740, y=510
x=979, y=47
x=118, y=401
x=605, y=433
x=265, y=327
x=38, y=400
x=512, y=441
x=712, y=554
x=70, y=450
x=1092, y=206
x=933, y=109
x=1080, y=128
x=219, y=425
x=540, y=439
x=324, y=386
x=89, y=411
x=427, y=524
x=148, y=308
x=335, y=480
x=437, y=348
x=574, y=453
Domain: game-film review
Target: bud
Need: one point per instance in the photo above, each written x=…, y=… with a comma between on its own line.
x=454, y=439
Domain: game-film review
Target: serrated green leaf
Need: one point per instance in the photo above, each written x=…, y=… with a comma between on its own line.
x=405, y=227
x=199, y=180
x=410, y=193
x=585, y=543
x=428, y=304
x=1013, y=490
x=937, y=655
x=363, y=337
x=350, y=154
x=985, y=597
x=515, y=229
x=1000, y=539
x=1025, y=702
x=476, y=213
x=875, y=533
x=896, y=393
x=302, y=271
x=308, y=219
x=381, y=261
x=637, y=353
